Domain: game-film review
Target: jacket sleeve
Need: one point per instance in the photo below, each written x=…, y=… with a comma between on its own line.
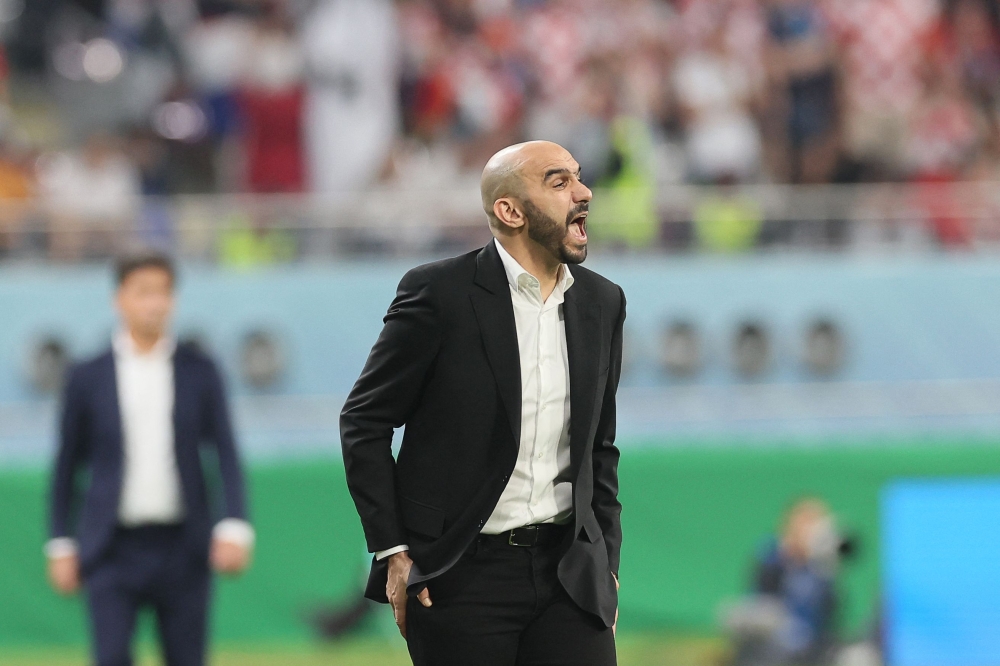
x=382, y=399
x=72, y=451
x=606, y=506
x=221, y=435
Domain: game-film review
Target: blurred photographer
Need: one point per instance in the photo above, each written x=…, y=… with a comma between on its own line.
x=790, y=620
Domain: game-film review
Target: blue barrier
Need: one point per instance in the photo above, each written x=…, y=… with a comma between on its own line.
x=921, y=337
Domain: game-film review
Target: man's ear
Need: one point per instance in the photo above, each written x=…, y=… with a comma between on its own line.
x=508, y=213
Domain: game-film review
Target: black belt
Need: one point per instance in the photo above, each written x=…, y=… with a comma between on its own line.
x=530, y=535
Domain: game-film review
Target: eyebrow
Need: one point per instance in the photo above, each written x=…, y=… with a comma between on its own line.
x=561, y=171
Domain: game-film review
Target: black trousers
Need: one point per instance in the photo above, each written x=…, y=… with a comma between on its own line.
x=503, y=605
x=148, y=567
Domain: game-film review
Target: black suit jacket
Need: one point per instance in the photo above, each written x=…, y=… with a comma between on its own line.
x=90, y=441
x=447, y=366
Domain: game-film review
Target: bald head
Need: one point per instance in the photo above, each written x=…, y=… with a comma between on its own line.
x=505, y=172
x=536, y=202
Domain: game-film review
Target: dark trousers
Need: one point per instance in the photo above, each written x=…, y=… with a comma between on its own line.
x=503, y=605
x=149, y=567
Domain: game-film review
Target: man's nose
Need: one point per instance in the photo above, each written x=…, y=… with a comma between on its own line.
x=582, y=192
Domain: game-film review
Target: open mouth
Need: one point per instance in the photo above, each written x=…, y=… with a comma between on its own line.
x=578, y=228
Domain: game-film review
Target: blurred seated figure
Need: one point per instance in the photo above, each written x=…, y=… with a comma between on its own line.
x=626, y=213
x=351, y=106
x=91, y=197
x=251, y=239
x=726, y=220
x=802, y=71
x=790, y=619
x=879, y=52
x=716, y=93
x=270, y=100
x=17, y=187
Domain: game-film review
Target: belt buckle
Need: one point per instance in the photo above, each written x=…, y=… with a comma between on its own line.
x=533, y=529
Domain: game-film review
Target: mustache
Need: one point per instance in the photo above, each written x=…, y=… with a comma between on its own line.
x=583, y=207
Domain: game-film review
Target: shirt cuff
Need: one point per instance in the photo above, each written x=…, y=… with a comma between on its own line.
x=60, y=547
x=382, y=554
x=235, y=531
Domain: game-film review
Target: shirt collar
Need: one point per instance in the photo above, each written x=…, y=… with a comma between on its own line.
x=517, y=277
x=124, y=346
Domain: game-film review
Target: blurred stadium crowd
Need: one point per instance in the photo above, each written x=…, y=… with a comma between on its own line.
x=108, y=100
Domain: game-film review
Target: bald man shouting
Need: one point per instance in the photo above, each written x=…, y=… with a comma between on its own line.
x=496, y=529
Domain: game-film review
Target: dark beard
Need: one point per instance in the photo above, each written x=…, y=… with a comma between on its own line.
x=551, y=234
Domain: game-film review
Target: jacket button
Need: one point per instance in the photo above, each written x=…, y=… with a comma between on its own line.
x=482, y=522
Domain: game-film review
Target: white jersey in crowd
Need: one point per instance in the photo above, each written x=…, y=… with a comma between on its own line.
x=352, y=110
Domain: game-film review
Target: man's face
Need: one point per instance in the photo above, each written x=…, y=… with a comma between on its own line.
x=146, y=301
x=556, y=204
x=805, y=521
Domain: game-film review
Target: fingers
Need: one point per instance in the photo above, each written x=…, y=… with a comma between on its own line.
x=399, y=608
x=64, y=575
x=399, y=612
x=62, y=586
x=395, y=589
x=614, y=627
x=230, y=558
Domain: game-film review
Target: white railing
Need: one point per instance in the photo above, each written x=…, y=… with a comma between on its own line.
x=277, y=228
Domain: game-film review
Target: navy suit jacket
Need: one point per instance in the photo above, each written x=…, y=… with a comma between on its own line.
x=87, y=480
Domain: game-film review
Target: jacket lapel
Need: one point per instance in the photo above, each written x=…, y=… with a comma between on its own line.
x=107, y=387
x=495, y=316
x=182, y=392
x=583, y=343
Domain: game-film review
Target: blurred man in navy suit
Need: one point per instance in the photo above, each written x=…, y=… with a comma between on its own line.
x=132, y=519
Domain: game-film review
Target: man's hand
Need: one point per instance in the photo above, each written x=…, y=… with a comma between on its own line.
x=395, y=588
x=614, y=627
x=64, y=574
x=229, y=557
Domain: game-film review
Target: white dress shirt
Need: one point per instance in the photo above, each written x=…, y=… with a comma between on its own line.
x=151, y=484
x=533, y=493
